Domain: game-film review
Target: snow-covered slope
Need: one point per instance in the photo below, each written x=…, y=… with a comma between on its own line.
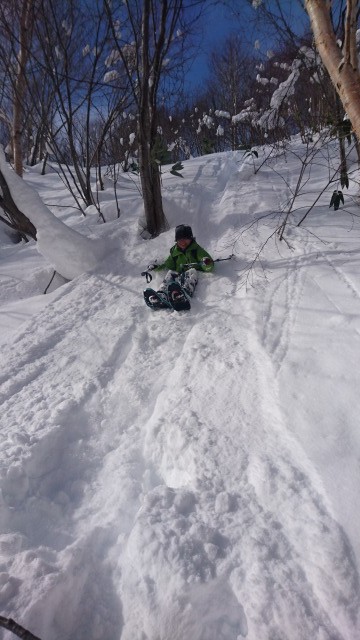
x=193, y=475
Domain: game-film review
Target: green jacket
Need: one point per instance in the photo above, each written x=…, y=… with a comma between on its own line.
x=178, y=258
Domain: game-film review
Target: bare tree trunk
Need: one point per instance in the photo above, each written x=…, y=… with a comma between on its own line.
x=157, y=27
x=343, y=69
x=151, y=190
x=350, y=49
x=45, y=159
x=344, y=179
x=20, y=85
x=14, y=217
x=149, y=170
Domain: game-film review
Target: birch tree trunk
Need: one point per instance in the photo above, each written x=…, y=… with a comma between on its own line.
x=341, y=64
x=20, y=84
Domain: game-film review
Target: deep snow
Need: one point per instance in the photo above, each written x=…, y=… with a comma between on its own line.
x=193, y=475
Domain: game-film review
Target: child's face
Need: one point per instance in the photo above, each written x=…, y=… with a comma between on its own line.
x=183, y=243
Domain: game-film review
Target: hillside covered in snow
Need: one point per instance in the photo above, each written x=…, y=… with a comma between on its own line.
x=194, y=475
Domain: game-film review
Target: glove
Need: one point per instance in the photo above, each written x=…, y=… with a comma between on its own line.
x=152, y=266
x=147, y=275
x=206, y=261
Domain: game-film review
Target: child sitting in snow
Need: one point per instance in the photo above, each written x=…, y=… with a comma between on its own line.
x=185, y=252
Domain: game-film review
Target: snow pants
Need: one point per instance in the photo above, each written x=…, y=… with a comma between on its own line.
x=188, y=280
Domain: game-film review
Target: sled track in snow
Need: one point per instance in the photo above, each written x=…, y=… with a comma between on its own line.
x=281, y=311
x=342, y=276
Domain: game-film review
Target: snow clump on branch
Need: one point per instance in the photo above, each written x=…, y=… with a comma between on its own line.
x=222, y=114
x=111, y=76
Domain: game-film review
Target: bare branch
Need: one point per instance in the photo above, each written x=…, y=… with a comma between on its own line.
x=17, y=629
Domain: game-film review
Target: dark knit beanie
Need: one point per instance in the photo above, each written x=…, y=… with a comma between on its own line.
x=183, y=231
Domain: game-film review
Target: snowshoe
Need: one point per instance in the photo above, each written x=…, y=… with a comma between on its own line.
x=178, y=297
x=156, y=299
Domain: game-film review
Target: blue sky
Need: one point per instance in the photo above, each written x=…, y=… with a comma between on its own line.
x=218, y=24
x=216, y=27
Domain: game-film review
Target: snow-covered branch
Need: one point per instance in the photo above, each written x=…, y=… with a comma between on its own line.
x=69, y=252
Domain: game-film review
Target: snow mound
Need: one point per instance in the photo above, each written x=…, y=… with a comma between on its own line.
x=188, y=475
x=69, y=252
